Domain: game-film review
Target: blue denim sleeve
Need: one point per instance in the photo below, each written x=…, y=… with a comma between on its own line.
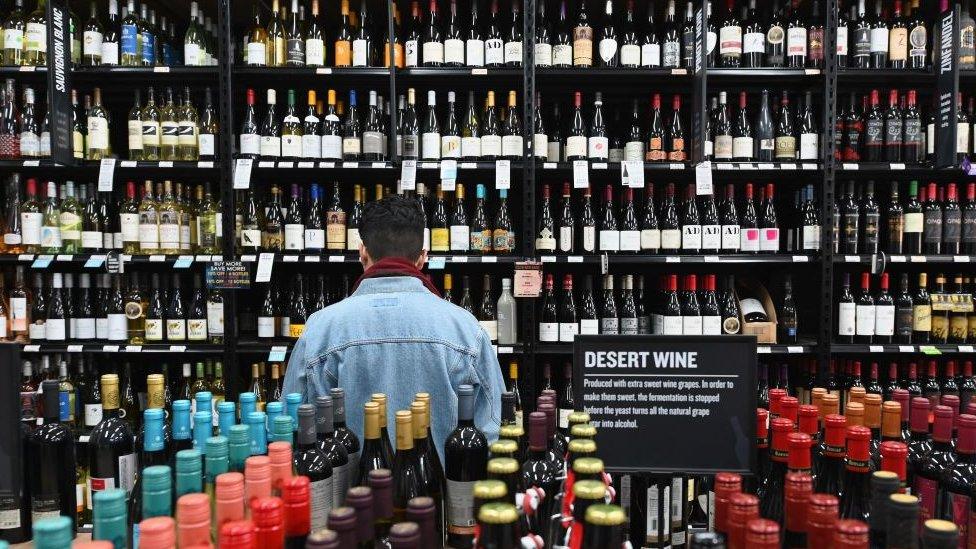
x=488, y=395
x=296, y=373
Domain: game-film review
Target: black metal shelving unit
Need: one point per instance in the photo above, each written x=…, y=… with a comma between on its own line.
x=697, y=83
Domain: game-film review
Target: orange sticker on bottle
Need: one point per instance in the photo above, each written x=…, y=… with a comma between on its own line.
x=343, y=53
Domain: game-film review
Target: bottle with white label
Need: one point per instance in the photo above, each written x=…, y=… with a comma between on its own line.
x=249, y=145
x=270, y=143
x=549, y=320
x=864, y=317
x=884, y=313
x=430, y=144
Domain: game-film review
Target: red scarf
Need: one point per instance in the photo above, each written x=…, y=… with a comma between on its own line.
x=396, y=266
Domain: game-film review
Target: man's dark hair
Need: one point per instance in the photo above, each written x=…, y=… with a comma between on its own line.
x=393, y=227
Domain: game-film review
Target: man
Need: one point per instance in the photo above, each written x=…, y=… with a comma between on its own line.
x=396, y=335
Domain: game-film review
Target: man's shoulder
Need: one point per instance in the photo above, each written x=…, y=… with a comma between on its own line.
x=422, y=303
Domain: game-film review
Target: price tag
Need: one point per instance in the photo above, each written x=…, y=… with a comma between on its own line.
x=581, y=174
x=408, y=175
x=875, y=348
x=436, y=262
x=679, y=72
x=906, y=349
x=801, y=258
x=750, y=166
x=965, y=348
x=787, y=166
x=506, y=350
x=265, y=264
x=106, y=174
x=177, y=348
x=632, y=174
x=811, y=72
x=94, y=261
x=489, y=259
x=133, y=348
x=248, y=258
x=469, y=165
x=277, y=353
x=918, y=259
x=25, y=257
x=710, y=259
x=479, y=72
x=66, y=257
x=428, y=165
x=110, y=348
x=42, y=261
x=672, y=259
x=808, y=166
x=703, y=178
x=574, y=259
x=128, y=164
x=242, y=172
x=459, y=259
x=897, y=258
x=161, y=69
x=897, y=166
x=503, y=174
x=165, y=163
x=75, y=348
x=326, y=165
x=337, y=258
x=528, y=279
x=929, y=350
x=960, y=259
x=764, y=350
x=449, y=172
x=266, y=164
x=765, y=166
x=216, y=258
x=350, y=165
x=549, y=165
x=157, y=258
x=378, y=165
x=203, y=258
x=306, y=165
x=183, y=262
x=289, y=258
x=286, y=164
x=31, y=163
x=27, y=68
x=323, y=70
x=676, y=166
x=600, y=166
x=792, y=349
x=726, y=166
x=32, y=348
x=83, y=438
x=312, y=259
x=849, y=166
x=852, y=258
x=205, y=164
x=548, y=259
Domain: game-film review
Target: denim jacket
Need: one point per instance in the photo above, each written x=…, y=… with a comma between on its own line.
x=393, y=336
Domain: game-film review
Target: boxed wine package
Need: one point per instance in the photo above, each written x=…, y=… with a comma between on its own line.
x=753, y=297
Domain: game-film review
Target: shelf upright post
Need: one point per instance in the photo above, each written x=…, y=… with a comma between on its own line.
x=59, y=81
x=226, y=161
x=947, y=78
x=828, y=146
x=392, y=101
x=526, y=309
x=699, y=92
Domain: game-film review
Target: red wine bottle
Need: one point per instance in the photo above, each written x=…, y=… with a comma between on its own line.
x=874, y=131
x=854, y=502
x=931, y=468
x=465, y=462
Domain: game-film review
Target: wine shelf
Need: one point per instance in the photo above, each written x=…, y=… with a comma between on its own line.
x=139, y=75
x=935, y=349
x=634, y=259
x=850, y=168
x=276, y=351
x=762, y=76
x=281, y=76
x=98, y=261
x=122, y=347
x=892, y=259
x=433, y=261
x=89, y=166
x=806, y=347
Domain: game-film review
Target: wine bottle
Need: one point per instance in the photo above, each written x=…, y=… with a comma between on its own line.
x=465, y=461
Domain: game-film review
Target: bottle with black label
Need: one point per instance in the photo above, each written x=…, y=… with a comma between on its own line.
x=913, y=140
x=872, y=214
x=895, y=223
x=731, y=324
x=851, y=217
x=874, y=131
x=609, y=323
x=787, y=317
x=969, y=220
x=903, y=311
x=846, y=311
x=932, y=233
x=951, y=223
x=628, y=309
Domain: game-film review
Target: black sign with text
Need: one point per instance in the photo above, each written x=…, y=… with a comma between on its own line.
x=669, y=404
x=58, y=81
x=228, y=275
x=948, y=82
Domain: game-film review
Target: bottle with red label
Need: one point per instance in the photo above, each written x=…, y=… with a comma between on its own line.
x=929, y=473
x=919, y=443
x=771, y=493
x=854, y=503
x=960, y=478
x=831, y=461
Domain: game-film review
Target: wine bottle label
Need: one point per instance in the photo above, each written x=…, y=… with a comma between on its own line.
x=879, y=39
x=36, y=37
x=256, y=54
x=320, y=501
x=634, y=151
x=543, y=54
x=811, y=237
x=568, y=331
x=630, y=55
x=643, y=325
x=311, y=146
x=630, y=241
x=962, y=138
x=576, y=146
x=898, y=44
x=271, y=146
x=170, y=133
x=884, y=320
x=154, y=329
x=750, y=239
x=609, y=326
x=672, y=325
x=215, y=318
x=343, y=53
x=148, y=48
x=169, y=233
x=650, y=239
x=440, y=240
x=460, y=507
x=677, y=152
x=583, y=46
x=331, y=147
x=770, y=239
x=433, y=52
x=609, y=240
x=730, y=40
x=176, y=329
x=360, y=48
x=37, y=330
x=691, y=325
x=353, y=239
x=192, y=55
x=952, y=226
x=13, y=39
x=566, y=239
x=494, y=51
x=670, y=239
x=18, y=314
x=513, y=52
x=754, y=42
x=553, y=151
x=589, y=326
x=933, y=227
x=130, y=40
x=314, y=52
x=295, y=330
x=350, y=146
x=475, y=52
x=91, y=43
x=616, y=154
x=266, y=326
x=373, y=142
x=30, y=227
x=45, y=145
x=491, y=145
x=562, y=54
x=291, y=146
x=918, y=41
x=471, y=147
x=842, y=40
x=589, y=238
x=412, y=48
x=711, y=238
x=846, y=319
x=431, y=145
x=117, y=325
x=927, y=492
x=294, y=236
x=731, y=239
x=598, y=148
x=628, y=326
x=767, y=144
x=809, y=146
x=460, y=238
x=723, y=147
x=540, y=145
x=250, y=144
x=548, y=331
x=903, y=322
x=30, y=144
x=785, y=147
x=480, y=240
x=91, y=240
x=55, y=329
x=206, y=144
x=711, y=325
x=914, y=222
x=691, y=237
x=608, y=50
x=512, y=146
x=650, y=55
x=51, y=236
x=864, y=320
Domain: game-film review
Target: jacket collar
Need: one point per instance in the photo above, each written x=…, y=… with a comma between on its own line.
x=389, y=285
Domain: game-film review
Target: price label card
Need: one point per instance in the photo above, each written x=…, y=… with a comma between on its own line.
x=449, y=172
x=203, y=258
x=378, y=165
x=906, y=349
x=183, y=262
x=133, y=348
x=408, y=175
x=808, y=166
x=34, y=348
x=965, y=348
x=177, y=348
x=479, y=72
x=895, y=166
x=312, y=259
x=323, y=70
x=66, y=257
x=710, y=259
x=960, y=259
x=242, y=172
x=581, y=174
x=289, y=258
x=286, y=164
x=459, y=259
x=31, y=163
x=306, y=165
x=25, y=257
x=703, y=178
x=632, y=174
x=469, y=165
x=161, y=69
x=266, y=164
x=248, y=258
x=787, y=166
x=42, y=261
x=929, y=350
x=489, y=259
x=600, y=166
x=876, y=348
x=794, y=349
x=574, y=259
x=918, y=259
x=205, y=164
x=505, y=350
x=265, y=264
x=897, y=258
x=94, y=261
x=157, y=258
x=436, y=262
x=676, y=166
x=165, y=163
x=549, y=165
x=110, y=348
x=852, y=258
x=503, y=174
x=801, y=258
x=548, y=259
x=764, y=350
x=350, y=165
x=106, y=174
x=27, y=68
x=763, y=166
x=337, y=258
x=528, y=279
x=672, y=259
x=277, y=353
x=849, y=166
x=128, y=164
x=75, y=348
